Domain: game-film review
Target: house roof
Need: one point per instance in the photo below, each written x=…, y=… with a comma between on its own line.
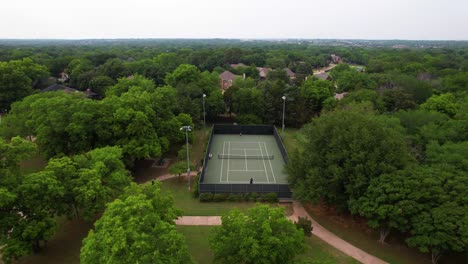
x=227, y=75
x=322, y=75
x=263, y=72
x=339, y=96
x=59, y=87
x=238, y=65
x=290, y=73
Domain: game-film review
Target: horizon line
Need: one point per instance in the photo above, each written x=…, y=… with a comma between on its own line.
x=245, y=39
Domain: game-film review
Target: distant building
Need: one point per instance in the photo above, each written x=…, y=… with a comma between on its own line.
x=290, y=73
x=339, y=96
x=263, y=72
x=227, y=78
x=359, y=68
x=237, y=65
x=59, y=87
x=336, y=59
x=63, y=77
x=323, y=76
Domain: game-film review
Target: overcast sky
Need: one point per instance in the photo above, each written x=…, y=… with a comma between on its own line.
x=358, y=19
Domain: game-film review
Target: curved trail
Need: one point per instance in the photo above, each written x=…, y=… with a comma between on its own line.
x=299, y=210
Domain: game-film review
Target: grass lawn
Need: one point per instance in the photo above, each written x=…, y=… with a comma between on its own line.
x=316, y=250
x=64, y=247
x=396, y=251
x=290, y=138
x=184, y=200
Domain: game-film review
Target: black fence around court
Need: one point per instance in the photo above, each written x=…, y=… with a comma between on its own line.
x=282, y=190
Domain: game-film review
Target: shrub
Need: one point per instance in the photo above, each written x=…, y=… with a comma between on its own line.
x=305, y=224
x=220, y=197
x=246, y=197
x=254, y=196
x=206, y=197
x=270, y=197
x=231, y=197
x=195, y=192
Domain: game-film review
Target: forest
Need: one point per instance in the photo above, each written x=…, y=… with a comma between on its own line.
x=384, y=136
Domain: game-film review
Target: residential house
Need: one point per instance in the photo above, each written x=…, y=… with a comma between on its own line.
x=237, y=65
x=339, y=96
x=323, y=76
x=59, y=87
x=227, y=78
x=63, y=77
x=290, y=73
x=263, y=72
x=336, y=59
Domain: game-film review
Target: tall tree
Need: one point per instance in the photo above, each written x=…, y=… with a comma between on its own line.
x=137, y=228
x=342, y=151
x=16, y=80
x=263, y=235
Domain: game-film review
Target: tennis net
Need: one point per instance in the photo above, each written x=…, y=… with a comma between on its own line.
x=252, y=157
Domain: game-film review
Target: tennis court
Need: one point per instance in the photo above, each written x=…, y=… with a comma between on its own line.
x=238, y=159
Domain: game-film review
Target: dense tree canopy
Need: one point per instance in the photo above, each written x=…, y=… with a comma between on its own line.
x=263, y=235
x=341, y=152
x=138, y=227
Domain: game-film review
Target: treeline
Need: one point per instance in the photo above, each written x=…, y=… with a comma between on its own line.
x=393, y=150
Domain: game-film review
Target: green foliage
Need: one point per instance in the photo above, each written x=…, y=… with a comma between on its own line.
x=184, y=74
x=220, y=197
x=341, y=152
x=100, y=84
x=179, y=168
x=444, y=103
x=137, y=227
x=270, y=197
x=263, y=235
x=304, y=224
x=206, y=197
x=195, y=189
x=16, y=80
x=90, y=180
x=249, y=119
x=248, y=101
x=124, y=84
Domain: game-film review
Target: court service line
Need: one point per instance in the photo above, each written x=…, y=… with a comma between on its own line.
x=271, y=167
x=244, y=149
x=250, y=142
x=264, y=166
x=245, y=170
x=229, y=151
x=222, y=162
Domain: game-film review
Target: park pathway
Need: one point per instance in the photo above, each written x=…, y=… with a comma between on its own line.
x=298, y=210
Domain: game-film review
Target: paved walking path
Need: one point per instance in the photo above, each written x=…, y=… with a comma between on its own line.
x=299, y=210
x=334, y=240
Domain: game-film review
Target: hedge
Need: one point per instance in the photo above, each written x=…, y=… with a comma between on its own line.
x=232, y=197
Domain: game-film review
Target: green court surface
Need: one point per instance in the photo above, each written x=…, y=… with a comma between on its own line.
x=246, y=157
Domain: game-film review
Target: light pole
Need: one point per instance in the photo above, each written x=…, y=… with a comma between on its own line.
x=204, y=113
x=284, y=106
x=187, y=129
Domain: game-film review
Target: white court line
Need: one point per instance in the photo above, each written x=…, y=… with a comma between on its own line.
x=222, y=161
x=229, y=151
x=245, y=170
x=245, y=156
x=271, y=167
x=244, y=149
x=264, y=166
x=250, y=142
